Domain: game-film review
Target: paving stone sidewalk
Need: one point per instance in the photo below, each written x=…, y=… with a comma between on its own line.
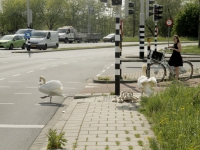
x=97, y=123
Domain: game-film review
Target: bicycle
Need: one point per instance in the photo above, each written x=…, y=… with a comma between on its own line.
x=159, y=67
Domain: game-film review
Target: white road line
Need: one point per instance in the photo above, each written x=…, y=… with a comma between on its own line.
x=4, y=86
x=90, y=86
x=111, y=64
x=6, y=103
x=20, y=126
x=103, y=70
x=98, y=75
x=54, y=66
x=16, y=75
x=107, y=67
x=43, y=68
x=31, y=87
x=15, y=81
x=74, y=82
x=23, y=93
x=2, y=78
x=93, y=84
x=30, y=71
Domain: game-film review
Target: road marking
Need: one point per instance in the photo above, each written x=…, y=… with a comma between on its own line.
x=74, y=82
x=16, y=75
x=30, y=71
x=23, y=93
x=54, y=66
x=88, y=86
x=43, y=68
x=75, y=61
x=15, y=81
x=107, y=67
x=98, y=75
x=4, y=86
x=32, y=87
x=2, y=78
x=6, y=103
x=20, y=126
x=65, y=63
x=103, y=70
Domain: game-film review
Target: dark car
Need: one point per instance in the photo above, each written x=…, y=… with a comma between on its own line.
x=109, y=38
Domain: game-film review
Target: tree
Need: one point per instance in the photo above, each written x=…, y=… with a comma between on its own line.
x=185, y=24
x=199, y=26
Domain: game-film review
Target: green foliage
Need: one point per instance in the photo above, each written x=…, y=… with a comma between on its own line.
x=55, y=141
x=186, y=21
x=175, y=116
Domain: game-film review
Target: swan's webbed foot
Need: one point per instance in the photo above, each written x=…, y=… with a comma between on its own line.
x=44, y=97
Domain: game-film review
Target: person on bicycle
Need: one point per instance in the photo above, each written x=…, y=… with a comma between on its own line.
x=176, y=58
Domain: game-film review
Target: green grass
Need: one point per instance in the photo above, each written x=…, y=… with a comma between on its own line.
x=175, y=116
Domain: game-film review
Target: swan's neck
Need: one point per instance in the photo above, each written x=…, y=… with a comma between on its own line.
x=42, y=79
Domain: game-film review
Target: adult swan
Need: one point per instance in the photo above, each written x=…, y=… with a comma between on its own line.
x=51, y=88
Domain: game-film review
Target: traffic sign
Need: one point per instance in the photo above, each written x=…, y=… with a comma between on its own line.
x=27, y=34
x=169, y=22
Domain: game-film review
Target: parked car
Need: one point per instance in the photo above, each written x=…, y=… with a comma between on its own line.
x=22, y=32
x=109, y=38
x=12, y=41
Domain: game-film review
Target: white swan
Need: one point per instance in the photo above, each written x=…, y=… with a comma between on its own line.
x=146, y=85
x=51, y=88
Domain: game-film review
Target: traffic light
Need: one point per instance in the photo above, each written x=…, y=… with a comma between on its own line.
x=157, y=12
x=128, y=5
x=116, y=2
x=149, y=8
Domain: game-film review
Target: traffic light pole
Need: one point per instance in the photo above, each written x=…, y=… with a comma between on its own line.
x=117, y=51
x=141, y=29
x=155, y=35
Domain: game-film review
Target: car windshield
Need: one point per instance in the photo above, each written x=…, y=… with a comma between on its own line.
x=110, y=35
x=61, y=30
x=21, y=31
x=39, y=34
x=7, y=37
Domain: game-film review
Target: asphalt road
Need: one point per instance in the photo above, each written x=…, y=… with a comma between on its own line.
x=23, y=112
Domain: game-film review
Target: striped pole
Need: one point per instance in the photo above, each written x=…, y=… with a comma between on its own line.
x=155, y=35
x=120, y=47
x=117, y=52
x=148, y=57
x=28, y=44
x=141, y=29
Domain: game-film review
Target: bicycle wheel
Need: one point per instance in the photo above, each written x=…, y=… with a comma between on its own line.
x=158, y=71
x=185, y=71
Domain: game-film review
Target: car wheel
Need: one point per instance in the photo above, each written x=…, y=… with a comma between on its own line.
x=23, y=46
x=45, y=47
x=11, y=47
x=65, y=40
x=57, y=45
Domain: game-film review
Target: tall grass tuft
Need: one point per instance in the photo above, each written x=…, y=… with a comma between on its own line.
x=174, y=114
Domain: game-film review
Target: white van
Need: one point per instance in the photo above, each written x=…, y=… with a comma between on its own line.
x=41, y=39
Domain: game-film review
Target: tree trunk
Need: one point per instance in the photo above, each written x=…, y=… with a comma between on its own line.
x=199, y=26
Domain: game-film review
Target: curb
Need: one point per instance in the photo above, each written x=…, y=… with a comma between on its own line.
x=89, y=95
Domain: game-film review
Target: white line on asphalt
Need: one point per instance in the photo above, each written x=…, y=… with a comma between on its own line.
x=32, y=87
x=103, y=70
x=90, y=86
x=20, y=126
x=111, y=64
x=4, y=86
x=30, y=71
x=2, y=78
x=16, y=75
x=74, y=82
x=93, y=84
x=15, y=81
x=6, y=103
x=98, y=75
x=23, y=93
x=107, y=67
x=43, y=68
x=54, y=65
